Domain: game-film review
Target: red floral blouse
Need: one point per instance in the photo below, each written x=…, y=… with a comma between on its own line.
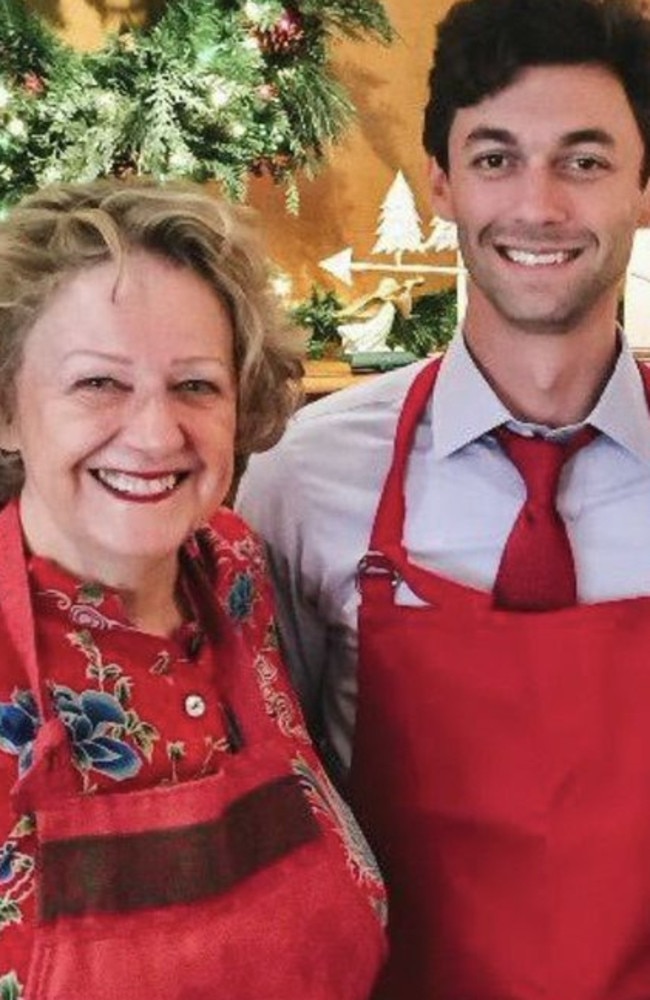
x=140, y=710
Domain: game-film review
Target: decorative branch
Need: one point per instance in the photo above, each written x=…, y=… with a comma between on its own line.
x=214, y=89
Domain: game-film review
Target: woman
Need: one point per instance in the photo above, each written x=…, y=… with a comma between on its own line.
x=165, y=828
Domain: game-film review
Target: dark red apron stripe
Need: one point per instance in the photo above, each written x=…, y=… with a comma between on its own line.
x=102, y=874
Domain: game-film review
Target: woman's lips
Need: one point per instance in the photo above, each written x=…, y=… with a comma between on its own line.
x=139, y=486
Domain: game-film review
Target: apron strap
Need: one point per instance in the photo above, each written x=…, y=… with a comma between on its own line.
x=51, y=774
x=15, y=602
x=387, y=560
x=644, y=370
x=389, y=520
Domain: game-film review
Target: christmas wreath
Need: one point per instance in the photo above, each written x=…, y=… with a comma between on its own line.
x=214, y=89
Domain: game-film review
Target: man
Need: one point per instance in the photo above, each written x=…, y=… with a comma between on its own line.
x=483, y=662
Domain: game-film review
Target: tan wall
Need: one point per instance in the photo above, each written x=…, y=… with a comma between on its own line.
x=340, y=207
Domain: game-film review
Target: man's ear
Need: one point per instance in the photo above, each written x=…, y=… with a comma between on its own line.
x=440, y=191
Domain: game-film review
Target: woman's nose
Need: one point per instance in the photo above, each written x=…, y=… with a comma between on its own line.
x=153, y=424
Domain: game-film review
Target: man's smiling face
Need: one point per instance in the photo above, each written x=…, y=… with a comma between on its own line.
x=544, y=183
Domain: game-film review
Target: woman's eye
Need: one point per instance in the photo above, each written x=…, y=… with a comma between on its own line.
x=198, y=387
x=99, y=383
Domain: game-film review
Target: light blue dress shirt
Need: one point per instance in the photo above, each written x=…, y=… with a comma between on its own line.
x=314, y=496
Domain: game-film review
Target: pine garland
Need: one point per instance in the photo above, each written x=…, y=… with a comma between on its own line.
x=215, y=89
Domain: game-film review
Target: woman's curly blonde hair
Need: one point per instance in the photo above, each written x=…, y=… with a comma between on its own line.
x=63, y=229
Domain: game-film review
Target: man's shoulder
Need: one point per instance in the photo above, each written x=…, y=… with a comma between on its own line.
x=356, y=420
x=341, y=441
x=386, y=389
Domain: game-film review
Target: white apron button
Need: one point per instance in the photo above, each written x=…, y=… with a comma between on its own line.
x=195, y=706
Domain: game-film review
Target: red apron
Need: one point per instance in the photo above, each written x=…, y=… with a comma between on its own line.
x=233, y=886
x=502, y=772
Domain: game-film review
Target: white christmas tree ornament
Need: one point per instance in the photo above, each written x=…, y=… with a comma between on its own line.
x=400, y=227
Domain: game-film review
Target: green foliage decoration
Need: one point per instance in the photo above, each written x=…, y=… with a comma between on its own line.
x=320, y=316
x=428, y=328
x=430, y=325
x=214, y=89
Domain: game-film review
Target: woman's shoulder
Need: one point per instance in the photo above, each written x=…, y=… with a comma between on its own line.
x=230, y=539
x=225, y=524
x=232, y=556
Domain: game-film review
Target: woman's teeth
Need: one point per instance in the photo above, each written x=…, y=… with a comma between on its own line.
x=122, y=482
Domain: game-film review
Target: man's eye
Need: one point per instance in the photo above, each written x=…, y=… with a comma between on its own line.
x=587, y=164
x=490, y=162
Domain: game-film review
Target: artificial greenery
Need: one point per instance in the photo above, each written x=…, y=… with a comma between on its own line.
x=428, y=328
x=320, y=316
x=213, y=89
x=430, y=325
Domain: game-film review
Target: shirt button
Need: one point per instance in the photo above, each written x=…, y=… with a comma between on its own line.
x=195, y=706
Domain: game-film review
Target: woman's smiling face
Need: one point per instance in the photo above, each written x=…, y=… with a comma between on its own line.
x=125, y=416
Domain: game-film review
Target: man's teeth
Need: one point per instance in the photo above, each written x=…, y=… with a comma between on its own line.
x=530, y=259
x=136, y=485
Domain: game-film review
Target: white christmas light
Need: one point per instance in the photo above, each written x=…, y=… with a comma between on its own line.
x=16, y=128
x=220, y=94
x=282, y=286
x=252, y=10
x=106, y=102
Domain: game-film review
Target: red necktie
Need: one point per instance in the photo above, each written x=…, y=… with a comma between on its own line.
x=536, y=572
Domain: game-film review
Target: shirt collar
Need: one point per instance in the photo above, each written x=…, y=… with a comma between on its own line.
x=58, y=593
x=464, y=405
x=621, y=412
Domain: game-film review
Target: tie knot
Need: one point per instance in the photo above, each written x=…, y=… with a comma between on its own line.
x=539, y=460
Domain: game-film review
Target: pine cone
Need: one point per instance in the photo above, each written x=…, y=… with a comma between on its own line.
x=285, y=36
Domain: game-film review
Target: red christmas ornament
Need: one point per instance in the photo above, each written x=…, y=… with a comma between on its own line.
x=286, y=35
x=33, y=83
x=267, y=91
x=276, y=166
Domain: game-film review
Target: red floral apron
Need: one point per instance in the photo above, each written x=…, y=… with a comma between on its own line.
x=502, y=771
x=232, y=886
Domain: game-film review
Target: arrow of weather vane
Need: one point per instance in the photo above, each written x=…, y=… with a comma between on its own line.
x=399, y=231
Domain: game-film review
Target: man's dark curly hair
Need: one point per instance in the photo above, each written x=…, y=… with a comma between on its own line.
x=483, y=45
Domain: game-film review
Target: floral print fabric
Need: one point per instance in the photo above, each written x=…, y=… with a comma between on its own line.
x=141, y=710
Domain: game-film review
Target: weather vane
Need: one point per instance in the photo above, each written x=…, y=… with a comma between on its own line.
x=400, y=232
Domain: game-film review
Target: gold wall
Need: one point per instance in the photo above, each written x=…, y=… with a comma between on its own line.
x=340, y=207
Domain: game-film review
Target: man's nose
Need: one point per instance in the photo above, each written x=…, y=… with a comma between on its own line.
x=541, y=197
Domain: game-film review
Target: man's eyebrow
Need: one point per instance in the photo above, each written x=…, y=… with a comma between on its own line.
x=588, y=135
x=485, y=133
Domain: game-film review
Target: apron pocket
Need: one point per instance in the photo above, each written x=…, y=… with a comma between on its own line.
x=228, y=886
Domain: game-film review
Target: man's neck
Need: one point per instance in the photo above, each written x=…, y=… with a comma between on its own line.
x=552, y=379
